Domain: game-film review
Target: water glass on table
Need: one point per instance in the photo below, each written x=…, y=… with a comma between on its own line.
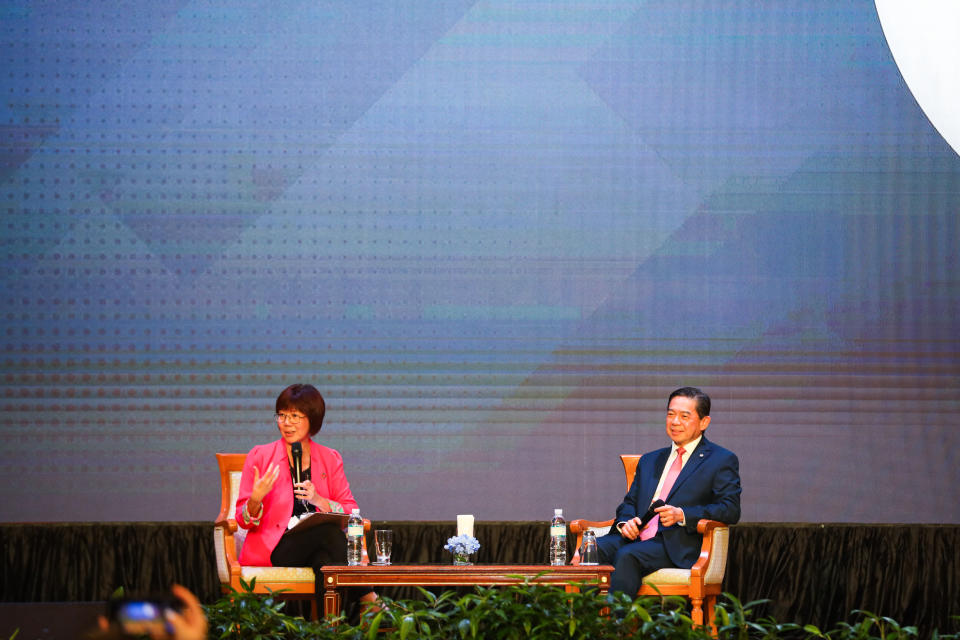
x=383, y=542
x=589, y=554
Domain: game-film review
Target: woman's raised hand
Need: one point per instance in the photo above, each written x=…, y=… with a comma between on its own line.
x=263, y=484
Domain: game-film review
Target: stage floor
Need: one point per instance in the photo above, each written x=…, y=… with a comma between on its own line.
x=48, y=620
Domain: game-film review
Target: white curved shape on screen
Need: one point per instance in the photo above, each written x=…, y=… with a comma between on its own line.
x=924, y=38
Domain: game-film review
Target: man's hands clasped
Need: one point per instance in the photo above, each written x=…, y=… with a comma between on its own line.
x=669, y=516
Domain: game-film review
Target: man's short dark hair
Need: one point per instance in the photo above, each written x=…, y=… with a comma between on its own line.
x=702, y=399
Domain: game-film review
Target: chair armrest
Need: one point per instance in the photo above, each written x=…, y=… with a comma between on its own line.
x=229, y=527
x=578, y=526
x=706, y=529
x=229, y=524
x=703, y=526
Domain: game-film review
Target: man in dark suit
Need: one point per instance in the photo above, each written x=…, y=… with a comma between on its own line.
x=694, y=477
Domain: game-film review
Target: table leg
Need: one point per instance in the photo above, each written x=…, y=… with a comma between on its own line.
x=331, y=601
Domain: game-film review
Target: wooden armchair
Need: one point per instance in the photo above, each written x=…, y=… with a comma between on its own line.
x=228, y=538
x=701, y=583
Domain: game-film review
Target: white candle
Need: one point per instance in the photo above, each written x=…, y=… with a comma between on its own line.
x=465, y=525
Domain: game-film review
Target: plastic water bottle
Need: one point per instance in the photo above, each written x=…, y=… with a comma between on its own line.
x=354, y=538
x=558, y=539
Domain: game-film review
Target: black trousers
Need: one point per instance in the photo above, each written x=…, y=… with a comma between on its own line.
x=318, y=546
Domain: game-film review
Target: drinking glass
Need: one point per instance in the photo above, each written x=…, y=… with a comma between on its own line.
x=589, y=553
x=383, y=541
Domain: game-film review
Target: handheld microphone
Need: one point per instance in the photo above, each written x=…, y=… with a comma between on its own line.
x=650, y=514
x=296, y=450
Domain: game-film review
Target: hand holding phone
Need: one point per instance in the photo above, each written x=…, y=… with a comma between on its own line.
x=144, y=616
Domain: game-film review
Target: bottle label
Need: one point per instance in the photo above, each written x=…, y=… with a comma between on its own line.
x=355, y=530
x=558, y=530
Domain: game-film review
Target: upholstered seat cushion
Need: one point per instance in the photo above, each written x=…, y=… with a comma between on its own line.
x=278, y=574
x=271, y=574
x=668, y=576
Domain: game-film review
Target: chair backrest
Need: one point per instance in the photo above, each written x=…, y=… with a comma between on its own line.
x=231, y=468
x=630, y=461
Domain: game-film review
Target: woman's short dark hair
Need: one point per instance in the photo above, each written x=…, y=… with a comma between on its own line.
x=307, y=400
x=702, y=399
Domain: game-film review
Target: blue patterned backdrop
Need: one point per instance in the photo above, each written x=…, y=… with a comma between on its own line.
x=495, y=235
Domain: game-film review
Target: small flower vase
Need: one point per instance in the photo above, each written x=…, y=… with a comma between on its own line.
x=461, y=546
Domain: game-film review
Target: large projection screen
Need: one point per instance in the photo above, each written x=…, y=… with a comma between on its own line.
x=494, y=234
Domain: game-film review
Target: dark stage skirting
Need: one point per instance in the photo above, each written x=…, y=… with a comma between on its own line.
x=811, y=573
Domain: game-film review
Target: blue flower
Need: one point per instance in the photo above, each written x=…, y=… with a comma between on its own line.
x=462, y=544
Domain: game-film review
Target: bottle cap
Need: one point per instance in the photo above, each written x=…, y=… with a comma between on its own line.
x=558, y=512
x=356, y=512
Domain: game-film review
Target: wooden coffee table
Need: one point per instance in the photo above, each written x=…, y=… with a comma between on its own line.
x=336, y=577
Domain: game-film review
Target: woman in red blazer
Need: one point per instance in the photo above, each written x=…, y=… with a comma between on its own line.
x=269, y=500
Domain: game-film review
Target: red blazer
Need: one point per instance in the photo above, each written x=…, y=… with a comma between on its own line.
x=326, y=473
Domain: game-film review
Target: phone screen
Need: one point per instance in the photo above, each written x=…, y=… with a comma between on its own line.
x=142, y=617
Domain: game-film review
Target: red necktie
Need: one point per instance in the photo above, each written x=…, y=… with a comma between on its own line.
x=651, y=529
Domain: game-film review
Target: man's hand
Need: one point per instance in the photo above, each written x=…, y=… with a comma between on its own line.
x=630, y=529
x=669, y=515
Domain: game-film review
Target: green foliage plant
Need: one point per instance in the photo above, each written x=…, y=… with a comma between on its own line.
x=734, y=621
x=870, y=626
x=536, y=612
x=245, y=615
x=530, y=611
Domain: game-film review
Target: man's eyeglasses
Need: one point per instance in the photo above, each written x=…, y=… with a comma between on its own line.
x=289, y=418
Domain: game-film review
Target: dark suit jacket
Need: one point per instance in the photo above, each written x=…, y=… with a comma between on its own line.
x=708, y=487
